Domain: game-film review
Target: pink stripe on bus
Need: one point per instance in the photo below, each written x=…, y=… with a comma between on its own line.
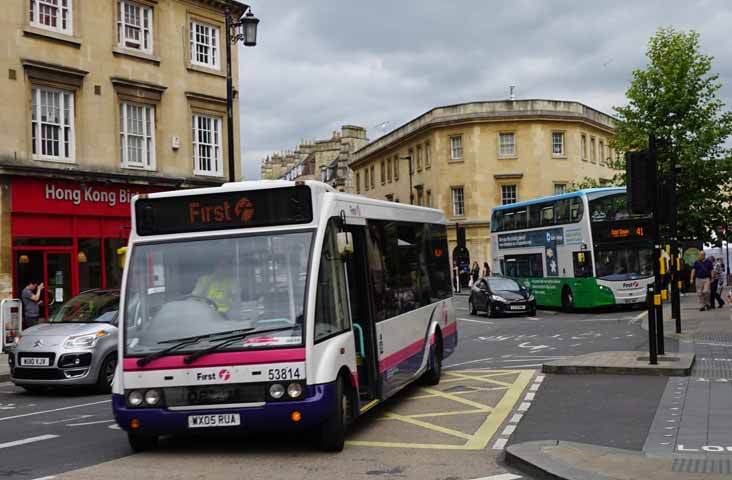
x=449, y=329
x=400, y=356
x=219, y=359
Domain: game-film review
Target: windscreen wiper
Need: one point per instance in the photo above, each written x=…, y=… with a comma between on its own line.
x=229, y=340
x=182, y=342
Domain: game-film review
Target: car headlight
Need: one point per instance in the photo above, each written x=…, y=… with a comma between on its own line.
x=85, y=341
x=294, y=390
x=135, y=398
x=152, y=397
x=276, y=391
x=531, y=298
x=498, y=298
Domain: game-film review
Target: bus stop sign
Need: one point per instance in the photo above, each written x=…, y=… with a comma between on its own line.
x=11, y=311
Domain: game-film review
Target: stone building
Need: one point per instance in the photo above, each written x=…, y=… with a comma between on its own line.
x=324, y=160
x=471, y=157
x=101, y=100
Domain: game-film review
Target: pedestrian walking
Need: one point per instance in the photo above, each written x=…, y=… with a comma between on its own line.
x=702, y=271
x=717, y=285
x=474, y=274
x=486, y=269
x=31, y=298
x=455, y=279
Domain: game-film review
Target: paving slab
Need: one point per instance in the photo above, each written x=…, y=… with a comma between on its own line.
x=623, y=363
x=554, y=459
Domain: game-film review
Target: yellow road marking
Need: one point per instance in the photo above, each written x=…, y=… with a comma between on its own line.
x=369, y=405
x=482, y=436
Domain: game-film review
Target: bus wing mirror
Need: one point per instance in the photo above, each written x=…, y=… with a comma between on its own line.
x=345, y=243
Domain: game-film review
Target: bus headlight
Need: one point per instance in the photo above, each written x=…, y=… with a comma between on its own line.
x=294, y=390
x=135, y=398
x=152, y=397
x=276, y=391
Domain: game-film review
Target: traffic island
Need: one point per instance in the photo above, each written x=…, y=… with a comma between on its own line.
x=622, y=363
x=4, y=368
x=553, y=459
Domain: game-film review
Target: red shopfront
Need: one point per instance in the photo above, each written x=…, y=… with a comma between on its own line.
x=67, y=234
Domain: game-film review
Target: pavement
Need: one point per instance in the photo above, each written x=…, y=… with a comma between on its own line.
x=688, y=433
x=4, y=368
x=623, y=363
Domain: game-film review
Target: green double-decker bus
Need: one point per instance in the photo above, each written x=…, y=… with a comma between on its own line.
x=576, y=250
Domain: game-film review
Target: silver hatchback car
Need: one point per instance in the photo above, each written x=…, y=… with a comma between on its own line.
x=78, y=345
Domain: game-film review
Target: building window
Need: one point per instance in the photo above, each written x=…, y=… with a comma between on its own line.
x=396, y=167
x=373, y=177
x=52, y=124
x=558, y=144
x=388, y=169
x=207, y=146
x=560, y=188
x=54, y=15
x=601, y=150
x=427, y=155
x=458, y=202
x=593, y=158
x=366, y=178
x=419, y=157
x=429, y=198
x=204, y=45
x=390, y=197
x=507, y=144
x=134, y=26
x=358, y=182
x=583, y=147
x=420, y=197
x=137, y=135
x=383, y=172
x=508, y=194
x=456, y=147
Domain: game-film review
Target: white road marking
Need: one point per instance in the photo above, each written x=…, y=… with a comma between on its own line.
x=466, y=363
x=527, y=359
x=502, y=476
x=54, y=410
x=89, y=423
x=516, y=418
x=6, y=384
x=534, y=387
x=114, y=427
x=508, y=430
x=529, y=396
x=524, y=406
x=27, y=440
x=45, y=478
x=69, y=419
x=539, y=378
x=500, y=444
x=533, y=348
x=475, y=321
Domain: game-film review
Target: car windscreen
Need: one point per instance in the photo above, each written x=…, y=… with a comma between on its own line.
x=200, y=287
x=88, y=307
x=503, y=284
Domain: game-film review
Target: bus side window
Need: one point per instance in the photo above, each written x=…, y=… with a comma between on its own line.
x=582, y=264
x=547, y=214
x=508, y=220
x=331, y=304
x=520, y=220
x=575, y=210
x=534, y=216
x=562, y=211
x=497, y=222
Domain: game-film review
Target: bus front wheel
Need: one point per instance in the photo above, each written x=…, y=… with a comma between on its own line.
x=333, y=431
x=142, y=443
x=567, y=300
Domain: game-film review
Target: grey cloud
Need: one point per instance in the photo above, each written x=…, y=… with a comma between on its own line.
x=320, y=64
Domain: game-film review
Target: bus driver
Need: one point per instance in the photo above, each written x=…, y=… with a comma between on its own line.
x=218, y=287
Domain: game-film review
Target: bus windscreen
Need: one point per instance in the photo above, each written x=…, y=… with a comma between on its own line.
x=223, y=211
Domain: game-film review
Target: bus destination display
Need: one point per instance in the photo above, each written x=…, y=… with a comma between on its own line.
x=622, y=231
x=222, y=211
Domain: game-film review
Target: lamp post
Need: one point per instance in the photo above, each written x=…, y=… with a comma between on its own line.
x=411, y=172
x=245, y=30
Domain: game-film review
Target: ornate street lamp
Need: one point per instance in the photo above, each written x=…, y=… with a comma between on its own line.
x=242, y=30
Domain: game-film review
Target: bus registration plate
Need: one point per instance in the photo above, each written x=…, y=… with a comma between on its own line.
x=218, y=420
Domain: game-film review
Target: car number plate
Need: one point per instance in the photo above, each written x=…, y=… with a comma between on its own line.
x=517, y=307
x=34, y=362
x=217, y=420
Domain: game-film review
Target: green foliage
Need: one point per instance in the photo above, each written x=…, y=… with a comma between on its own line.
x=675, y=99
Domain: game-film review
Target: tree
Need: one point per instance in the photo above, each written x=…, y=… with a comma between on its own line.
x=675, y=99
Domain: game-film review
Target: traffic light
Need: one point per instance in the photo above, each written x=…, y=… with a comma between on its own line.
x=640, y=169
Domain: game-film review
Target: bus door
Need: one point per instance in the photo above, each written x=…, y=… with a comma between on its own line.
x=362, y=315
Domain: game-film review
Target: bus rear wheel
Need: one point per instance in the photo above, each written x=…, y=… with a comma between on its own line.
x=433, y=375
x=567, y=300
x=142, y=443
x=333, y=431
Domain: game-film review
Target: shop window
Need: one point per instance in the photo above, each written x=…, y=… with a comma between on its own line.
x=90, y=263
x=112, y=265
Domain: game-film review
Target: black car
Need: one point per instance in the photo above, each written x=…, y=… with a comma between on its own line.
x=495, y=295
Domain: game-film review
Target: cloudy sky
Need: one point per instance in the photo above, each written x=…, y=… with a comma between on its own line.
x=320, y=64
